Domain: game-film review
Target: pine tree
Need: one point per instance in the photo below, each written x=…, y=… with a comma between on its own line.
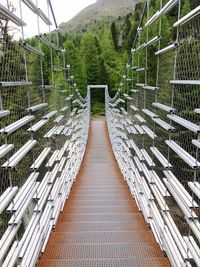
x=114, y=35
x=76, y=62
x=126, y=31
x=90, y=52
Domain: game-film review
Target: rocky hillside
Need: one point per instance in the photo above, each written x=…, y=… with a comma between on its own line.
x=102, y=10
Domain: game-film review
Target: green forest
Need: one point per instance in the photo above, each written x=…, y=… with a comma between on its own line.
x=158, y=96
x=98, y=56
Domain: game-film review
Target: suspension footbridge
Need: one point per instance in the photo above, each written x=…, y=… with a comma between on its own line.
x=101, y=224
x=119, y=190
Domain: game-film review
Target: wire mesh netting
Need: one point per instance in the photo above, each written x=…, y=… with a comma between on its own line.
x=37, y=124
x=164, y=115
x=163, y=80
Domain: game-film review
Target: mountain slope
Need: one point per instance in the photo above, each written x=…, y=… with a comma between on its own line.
x=102, y=9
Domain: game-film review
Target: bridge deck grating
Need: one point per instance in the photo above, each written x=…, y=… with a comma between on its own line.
x=100, y=224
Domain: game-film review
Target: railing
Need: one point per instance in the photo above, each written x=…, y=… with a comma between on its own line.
x=153, y=123
x=44, y=125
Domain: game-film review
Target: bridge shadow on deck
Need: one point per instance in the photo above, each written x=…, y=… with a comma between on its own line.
x=101, y=224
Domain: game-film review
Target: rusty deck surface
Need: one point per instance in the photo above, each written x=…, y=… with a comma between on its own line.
x=101, y=225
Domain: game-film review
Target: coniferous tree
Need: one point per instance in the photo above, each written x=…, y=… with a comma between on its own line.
x=114, y=35
x=90, y=52
x=126, y=31
x=77, y=64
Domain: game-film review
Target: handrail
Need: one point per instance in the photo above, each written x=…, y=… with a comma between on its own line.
x=153, y=131
x=38, y=168
x=155, y=142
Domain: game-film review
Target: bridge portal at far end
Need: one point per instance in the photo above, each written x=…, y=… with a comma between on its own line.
x=97, y=95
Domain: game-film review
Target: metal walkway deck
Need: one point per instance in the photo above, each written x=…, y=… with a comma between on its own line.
x=100, y=224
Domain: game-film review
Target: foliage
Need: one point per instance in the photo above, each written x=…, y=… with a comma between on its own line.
x=99, y=56
x=114, y=35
